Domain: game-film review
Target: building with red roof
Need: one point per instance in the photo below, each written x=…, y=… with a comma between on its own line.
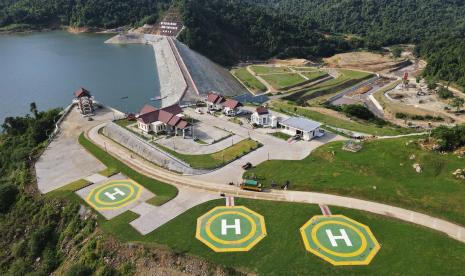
x=85, y=101
x=168, y=119
x=262, y=117
x=215, y=101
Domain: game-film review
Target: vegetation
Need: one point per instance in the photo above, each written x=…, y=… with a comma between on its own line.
x=164, y=192
x=382, y=171
x=358, y=111
x=260, y=70
x=346, y=79
x=405, y=116
x=74, y=186
x=87, y=13
x=315, y=75
x=281, y=135
x=217, y=159
x=249, y=80
x=36, y=233
x=283, y=81
x=450, y=138
x=335, y=122
x=445, y=93
x=282, y=251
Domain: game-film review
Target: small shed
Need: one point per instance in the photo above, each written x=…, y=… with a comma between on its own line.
x=307, y=129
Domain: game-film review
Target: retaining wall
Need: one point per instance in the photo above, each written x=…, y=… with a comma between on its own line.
x=148, y=151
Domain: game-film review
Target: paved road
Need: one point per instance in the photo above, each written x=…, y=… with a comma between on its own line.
x=210, y=186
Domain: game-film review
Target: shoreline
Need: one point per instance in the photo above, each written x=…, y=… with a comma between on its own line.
x=69, y=29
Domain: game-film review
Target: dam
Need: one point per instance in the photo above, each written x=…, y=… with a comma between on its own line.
x=184, y=75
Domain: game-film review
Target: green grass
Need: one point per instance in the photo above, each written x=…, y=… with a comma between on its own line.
x=305, y=69
x=281, y=135
x=74, y=186
x=346, y=79
x=315, y=75
x=125, y=122
x=162, y=190
x=384, y=164
x=249, y=80
x=353, y=125
x=406, y=249
x=259, y=70
x=217, y=159
x=282, y=81
x=108, y=172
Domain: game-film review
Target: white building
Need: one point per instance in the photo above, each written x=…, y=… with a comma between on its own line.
x=263, y=117
x=305, y=128
x=168, y=119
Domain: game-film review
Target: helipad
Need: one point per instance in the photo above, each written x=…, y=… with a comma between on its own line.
x=230, y=229
x=339, y=240
x=114, y=194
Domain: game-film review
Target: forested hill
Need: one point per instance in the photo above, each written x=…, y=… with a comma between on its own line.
x=383, y=21
x=80, y=13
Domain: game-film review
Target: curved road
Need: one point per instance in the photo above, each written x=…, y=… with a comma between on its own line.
x=453, y=230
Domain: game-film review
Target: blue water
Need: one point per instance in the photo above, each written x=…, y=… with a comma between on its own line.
x=46, y=68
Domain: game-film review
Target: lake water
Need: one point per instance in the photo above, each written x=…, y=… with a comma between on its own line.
x=46, y=68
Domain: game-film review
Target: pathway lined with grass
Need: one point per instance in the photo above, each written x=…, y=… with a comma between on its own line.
x=406, y=249
x=382, y=171
x=248, y=80
x=217, y=159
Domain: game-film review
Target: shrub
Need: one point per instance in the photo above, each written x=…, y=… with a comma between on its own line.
x=79, y=270
x=8, y=193
x=444, y=93
x=449, y=138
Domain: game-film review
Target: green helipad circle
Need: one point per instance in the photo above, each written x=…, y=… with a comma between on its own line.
x=339, y=240
x=114, y=194
x=230, y=229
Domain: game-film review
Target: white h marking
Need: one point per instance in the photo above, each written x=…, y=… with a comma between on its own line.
x=343, y=236
x=117, y=192
x=225, y=227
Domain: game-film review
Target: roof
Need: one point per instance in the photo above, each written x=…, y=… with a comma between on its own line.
x=182, y=124
x=215, y=98
x=164, y=116
x=150, y=117
x=174, y=109
x=174, y=121
x=149, y=114
x=147, y=109
x=232, y=103
x=81, y=92
x=302, y=124
x=262, y=110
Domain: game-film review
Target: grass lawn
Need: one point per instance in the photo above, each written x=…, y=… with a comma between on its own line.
x=125, y=122
x=259, y=70
x=217, y=159
x=74, y=186
x=315, y=75
x=281, y=81
x=305, y=69
x=406, y=249
x=346, y=79
x=353, y=125
x=164, y=192
x=281, y=135
x=109, y=172
x=249, y=80
x=384, y=164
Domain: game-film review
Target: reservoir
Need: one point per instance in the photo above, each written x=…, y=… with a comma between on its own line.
x=46, y=68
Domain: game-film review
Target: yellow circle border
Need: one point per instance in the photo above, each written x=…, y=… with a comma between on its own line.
x=357, y=252
x=212, y=236
x=99, y=201
x=108, y=183
x=199, y=237
x=366, y=261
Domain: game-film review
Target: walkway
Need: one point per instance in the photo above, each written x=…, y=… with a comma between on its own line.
x=214, y=187
x=65, y=161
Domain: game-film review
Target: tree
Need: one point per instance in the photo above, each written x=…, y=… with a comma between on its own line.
x=33, y=109
x=396, y=51
x=457, y=103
